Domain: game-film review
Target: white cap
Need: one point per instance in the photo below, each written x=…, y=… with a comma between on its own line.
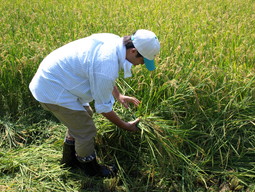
x=147, y=44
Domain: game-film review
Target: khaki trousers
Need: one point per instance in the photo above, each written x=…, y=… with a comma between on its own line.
x=79, y=125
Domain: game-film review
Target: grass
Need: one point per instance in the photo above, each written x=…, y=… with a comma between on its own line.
x=197, y=111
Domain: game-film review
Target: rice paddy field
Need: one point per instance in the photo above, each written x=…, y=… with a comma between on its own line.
x=197, y=129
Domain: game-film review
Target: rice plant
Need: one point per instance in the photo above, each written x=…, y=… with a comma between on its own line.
x=197, y=111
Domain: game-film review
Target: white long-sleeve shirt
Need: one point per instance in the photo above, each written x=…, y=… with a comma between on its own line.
x=82, y=71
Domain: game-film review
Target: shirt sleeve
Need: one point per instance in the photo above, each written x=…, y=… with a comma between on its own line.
x=101, y=89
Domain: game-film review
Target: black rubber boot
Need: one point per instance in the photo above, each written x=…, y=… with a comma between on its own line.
x=92, y=168
x=69, y=158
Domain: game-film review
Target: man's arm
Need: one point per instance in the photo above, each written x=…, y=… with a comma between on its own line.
x=114, y=118
x=116, y=92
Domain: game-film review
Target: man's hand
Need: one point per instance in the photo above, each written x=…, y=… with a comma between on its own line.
x=125, y=100
x=133, y=125
x=129, y=126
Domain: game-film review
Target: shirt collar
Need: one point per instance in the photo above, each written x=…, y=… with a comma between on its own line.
x=123, y=62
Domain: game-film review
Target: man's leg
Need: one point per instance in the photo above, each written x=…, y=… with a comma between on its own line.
x=81, y=131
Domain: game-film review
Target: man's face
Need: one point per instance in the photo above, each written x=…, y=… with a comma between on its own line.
x=131, y=56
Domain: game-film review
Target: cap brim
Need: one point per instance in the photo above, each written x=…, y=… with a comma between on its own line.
x=150, y=64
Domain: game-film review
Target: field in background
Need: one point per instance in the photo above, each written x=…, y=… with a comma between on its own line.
x=197, y=129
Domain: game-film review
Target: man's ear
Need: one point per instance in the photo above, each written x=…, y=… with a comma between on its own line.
x=134, y=50
x=131, y=51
